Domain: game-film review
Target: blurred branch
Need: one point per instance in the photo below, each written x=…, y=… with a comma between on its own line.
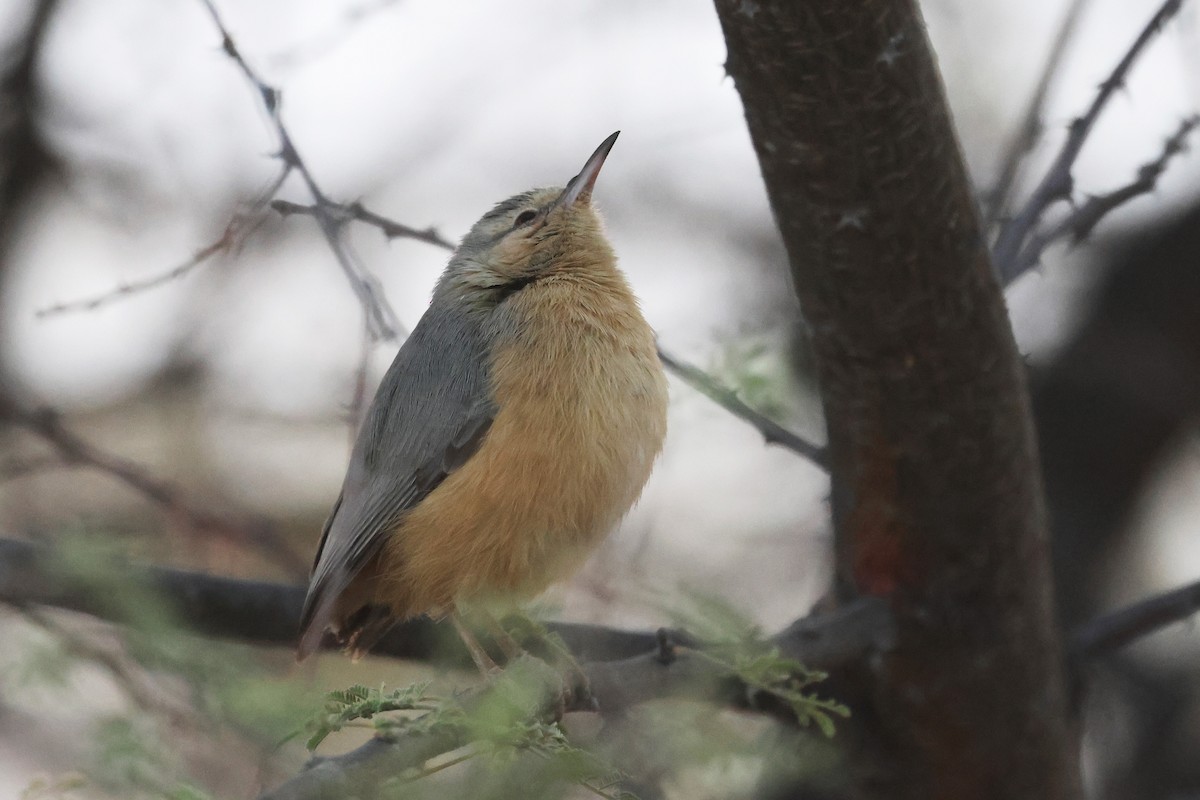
x=26, y=158
x=1083, y=218
x=14, y=468
x=132, y=680
x=266, y=613
x=1125, y=625
x=771, y=431
x=73, y=449
x=255, y=612
x=240, y=226
x=381, y=318
x=1032, y=125
x=1058, y=183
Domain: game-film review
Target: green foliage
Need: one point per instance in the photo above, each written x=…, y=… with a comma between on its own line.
x=344, y=706
x=169, y=680
x=508, y=728
x=501, y=727
x=58, y=787
x=755, y=369
x=785, y=678
x=133, y=760
x=736, y=644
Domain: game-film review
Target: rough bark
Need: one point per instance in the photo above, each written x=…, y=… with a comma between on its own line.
x=937, y=498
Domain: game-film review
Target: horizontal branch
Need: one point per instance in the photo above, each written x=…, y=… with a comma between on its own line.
x=267, y=613
x=1124, y=626
x=254, y=612
x=389, y=227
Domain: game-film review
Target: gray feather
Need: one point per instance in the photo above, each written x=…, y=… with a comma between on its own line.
x=430, y=414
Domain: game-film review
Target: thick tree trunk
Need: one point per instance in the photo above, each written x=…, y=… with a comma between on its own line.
x=937, y=496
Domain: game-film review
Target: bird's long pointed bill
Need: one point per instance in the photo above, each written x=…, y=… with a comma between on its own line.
x=579, y=190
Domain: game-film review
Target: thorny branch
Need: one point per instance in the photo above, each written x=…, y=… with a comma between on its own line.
x=73, y=449
x=381, y=318
x=1031, y=125
x=1058, y=184
x=1083, y=218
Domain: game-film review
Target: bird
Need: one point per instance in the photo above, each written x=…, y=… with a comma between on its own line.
x=516, y=426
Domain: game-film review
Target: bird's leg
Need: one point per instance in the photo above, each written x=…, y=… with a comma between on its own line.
x=487, y=667
x=579, y=685
x=551, y=649
x=504, y=640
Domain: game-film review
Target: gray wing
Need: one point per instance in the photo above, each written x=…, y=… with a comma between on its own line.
x=429, y=416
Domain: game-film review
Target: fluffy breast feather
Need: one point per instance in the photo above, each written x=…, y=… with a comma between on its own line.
x=582, y=415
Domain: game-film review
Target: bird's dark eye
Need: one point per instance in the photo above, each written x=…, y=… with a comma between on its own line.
x=524, y=216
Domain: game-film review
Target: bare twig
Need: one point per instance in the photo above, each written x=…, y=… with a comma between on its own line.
x=771, y=431
x=75, y=450
x=389, y=227
x=1031, y=126
x=1058, y=182
x=241, y=225
x=133, y=287
x=380, y=316
x=1125, y=625
x=1082, y=219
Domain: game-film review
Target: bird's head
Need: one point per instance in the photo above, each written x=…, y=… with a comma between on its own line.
x=533, y=234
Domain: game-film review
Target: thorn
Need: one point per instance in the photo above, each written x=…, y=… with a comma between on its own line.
x=271, y=97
